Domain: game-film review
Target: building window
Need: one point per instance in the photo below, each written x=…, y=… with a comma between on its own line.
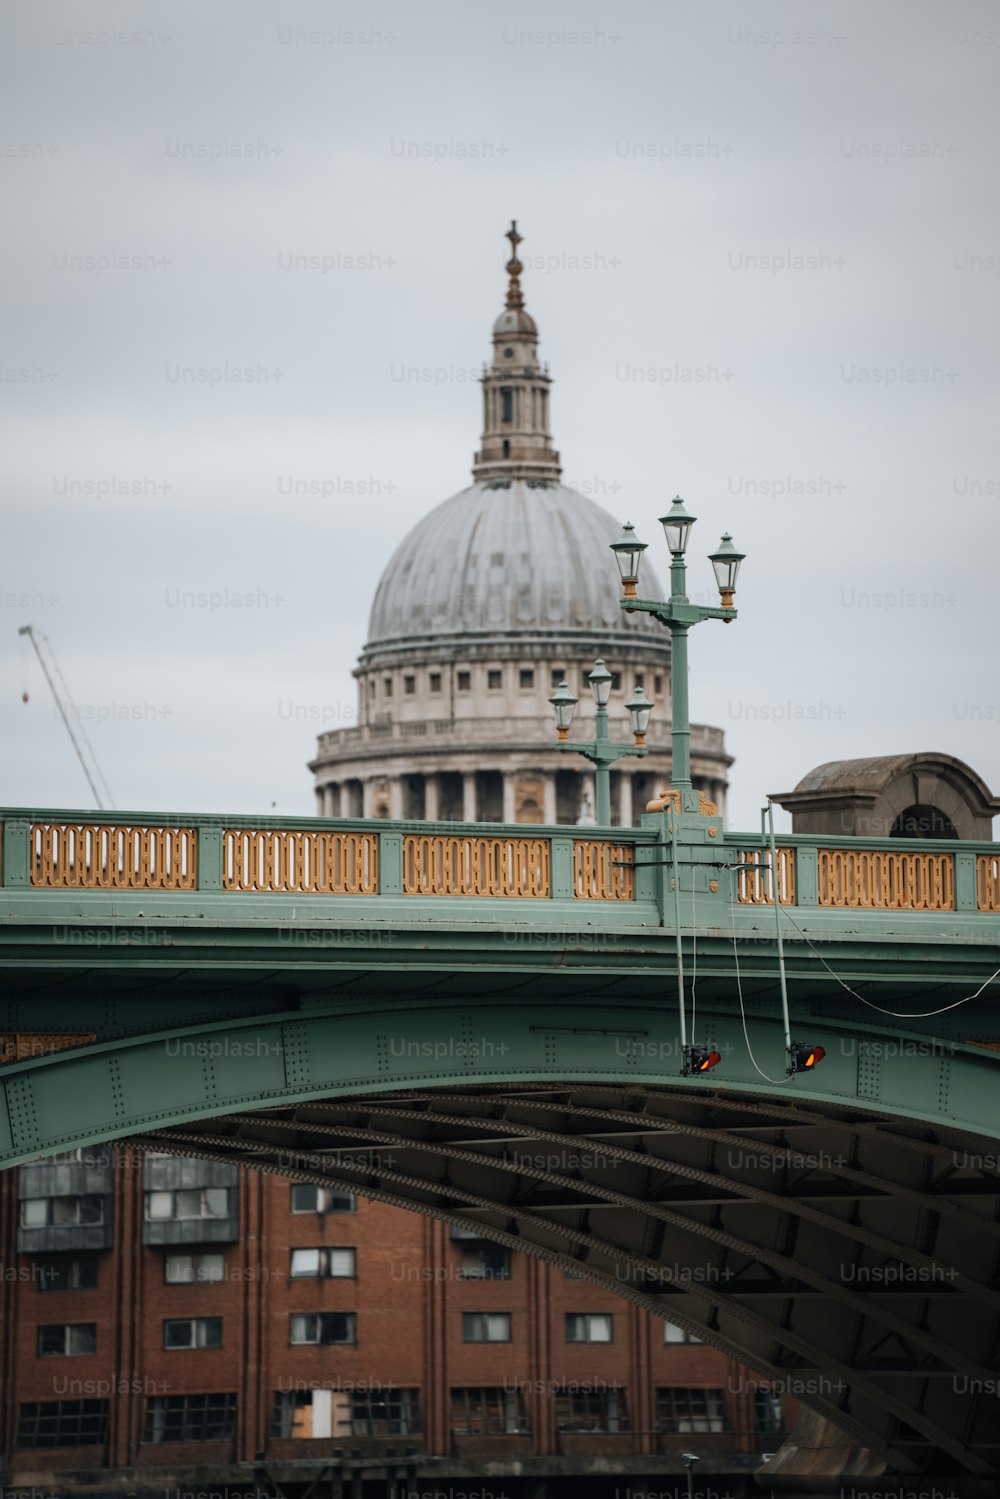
x=192, y=1269
x=591, y=1410
x=65, y=1339
x=768, y=1413
x=63, y=1423
x=394, y=1414
x=409, y=685
x=657, y=683
x=485, y=1327
x=488, y=1412
x=66, y=1275
x=387, y=686
x=464, y=681
x=435, y=681
x=187, y=1203
x=680, y=1409
x=192, y=1332
x=507, y=398
x=485, y=1261
x=190, y=1418
x=674, y=1334
x=335, y=1413
x=309, y=1199
x=494, y=680
x=557, y=677
x=526, y=677
x=616, y=680
x=588, y=1327
x=323, y=1327
x=325, y=1263
x=61, y=1212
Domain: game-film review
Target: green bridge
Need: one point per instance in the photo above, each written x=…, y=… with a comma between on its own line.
x=484, y=1024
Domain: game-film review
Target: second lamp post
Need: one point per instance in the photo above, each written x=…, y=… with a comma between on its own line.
x=600, y=750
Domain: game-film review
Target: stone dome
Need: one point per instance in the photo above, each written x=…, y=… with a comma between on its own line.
x=517, y=557
x=515, y=320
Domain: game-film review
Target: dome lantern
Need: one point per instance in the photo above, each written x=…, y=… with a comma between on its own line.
x=516, y=442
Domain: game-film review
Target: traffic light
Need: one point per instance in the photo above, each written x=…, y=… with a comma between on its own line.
x=803, y=1058
x=699, y=1059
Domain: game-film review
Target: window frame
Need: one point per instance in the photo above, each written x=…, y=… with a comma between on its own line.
x=198, y=1326
x=324, y=1262
x=350, y=1319
x=67, y=1329
x=588, y=1318
x=468, y=1323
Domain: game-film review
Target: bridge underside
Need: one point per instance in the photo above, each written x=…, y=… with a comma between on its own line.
x=848, y=1257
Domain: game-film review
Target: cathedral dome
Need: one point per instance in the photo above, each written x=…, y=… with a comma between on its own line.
x=502, y=593
x=507, y=557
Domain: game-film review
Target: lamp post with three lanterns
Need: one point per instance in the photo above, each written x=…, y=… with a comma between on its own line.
x=601, y=751
x=678, y=614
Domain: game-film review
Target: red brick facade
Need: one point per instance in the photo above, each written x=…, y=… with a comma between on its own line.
x=408, y=1296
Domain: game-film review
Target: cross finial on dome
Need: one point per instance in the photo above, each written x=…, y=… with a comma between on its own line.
x=515, y=296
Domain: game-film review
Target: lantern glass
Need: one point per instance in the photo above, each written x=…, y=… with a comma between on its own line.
x=600, y=680
x=677, y=527
x=726, y=563
x=639, y=708
x=564, y=704
x=628, y=550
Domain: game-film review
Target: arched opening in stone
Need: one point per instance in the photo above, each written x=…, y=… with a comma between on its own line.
x=921, y=821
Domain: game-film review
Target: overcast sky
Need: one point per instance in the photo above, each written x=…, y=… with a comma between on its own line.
x=762, y=247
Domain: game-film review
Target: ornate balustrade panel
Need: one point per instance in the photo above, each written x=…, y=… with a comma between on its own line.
x=988, y=882
x=599, y=871
x=883, y=880
x=300, y=862
x=755, y=883
x=439, y=864
x=109, y=856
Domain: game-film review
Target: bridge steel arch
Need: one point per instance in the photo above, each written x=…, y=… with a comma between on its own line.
x=844, y=1248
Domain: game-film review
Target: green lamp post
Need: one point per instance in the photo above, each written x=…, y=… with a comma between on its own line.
x=678, y=614
x=601, y=751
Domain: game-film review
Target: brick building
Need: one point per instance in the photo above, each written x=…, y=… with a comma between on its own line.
x=176, y=1327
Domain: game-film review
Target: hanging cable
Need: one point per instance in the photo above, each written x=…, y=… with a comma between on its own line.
x=779, y=1081
x=896, y=1014
x=694, y=961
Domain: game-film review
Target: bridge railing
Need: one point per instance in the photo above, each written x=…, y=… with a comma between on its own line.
x=866, y=874
x=320, y=857
x=63, y=851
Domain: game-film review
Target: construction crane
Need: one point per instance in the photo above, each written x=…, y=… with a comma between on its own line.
x=70, y=716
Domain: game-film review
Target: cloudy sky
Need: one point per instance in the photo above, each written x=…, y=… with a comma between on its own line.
x=762, y=247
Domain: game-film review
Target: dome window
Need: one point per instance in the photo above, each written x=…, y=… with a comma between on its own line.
x=464, y=681
x=435, y=681
x=508, y=353
x=387, y=686
x=507, y=397
x=494, y=680
x=527, y=677
x=409, y=685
